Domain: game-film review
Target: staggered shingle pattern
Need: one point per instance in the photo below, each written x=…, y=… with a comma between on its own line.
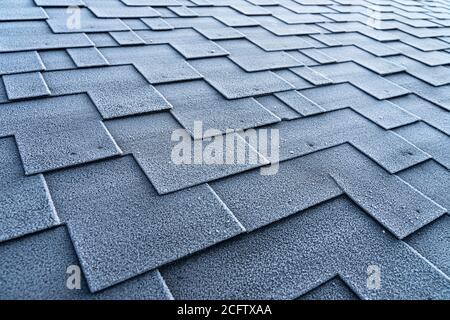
x=92, y=90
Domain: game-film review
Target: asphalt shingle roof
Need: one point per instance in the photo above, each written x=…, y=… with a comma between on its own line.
x=358, y=91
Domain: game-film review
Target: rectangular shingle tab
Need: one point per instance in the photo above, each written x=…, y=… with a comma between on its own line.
x=224, y=149
x=32, y=209
x=87, y=57
x=53, y=254
x=215, y=112
x=21, y=36
x=309, y=259
x=19, y=62
x=233, y=82
x=148, y=227
x=25, y=85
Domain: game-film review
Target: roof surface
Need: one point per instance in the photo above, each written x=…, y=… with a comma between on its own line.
x=91, y=92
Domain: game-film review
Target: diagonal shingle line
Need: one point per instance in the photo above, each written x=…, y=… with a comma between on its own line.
x=89, y=122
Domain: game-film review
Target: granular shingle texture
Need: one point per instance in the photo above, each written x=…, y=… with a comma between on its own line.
x=348, y=198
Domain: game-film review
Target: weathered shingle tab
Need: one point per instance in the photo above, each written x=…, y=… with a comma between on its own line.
x=225, y=149
x=113, y=217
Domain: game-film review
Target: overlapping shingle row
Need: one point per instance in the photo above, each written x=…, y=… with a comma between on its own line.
x=91, y=92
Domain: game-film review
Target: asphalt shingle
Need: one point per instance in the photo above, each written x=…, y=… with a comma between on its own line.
x=124, y=221
x=56, y=132
x=116, y=9
x=17, y=62
x=13, y=10
x=198, y=101
x=165, y=65
x=150, y=139
x=83, y=21
x=367, y=81
x=430, y=140
x=52, y=257
x=438, y=95
x=321, y=176
x=115, y=91
x=338, y=96
x=233, y=82
x=251, y=58
x=313, y=246
x=87, y=57
x=21, y=36
x=264, y=149
x=427, y=111
x=334, y=289
x=25, y=85
x=25, y=203
x=188, y=42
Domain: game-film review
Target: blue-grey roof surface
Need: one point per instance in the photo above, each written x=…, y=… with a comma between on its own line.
x=93, y=91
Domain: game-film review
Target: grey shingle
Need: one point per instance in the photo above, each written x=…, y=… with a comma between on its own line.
x=157, y=24
x=428, y=112
x=115, y=91
x=389, y=150
x=338, y=96
x=183, y=11
x=87, y=57
x=354, y=28
x=130, y=216
x=127, y=38
x=303, y=252
x=198, y=101
x=333, y=289
x=294, y=79
x=25, y=203
x=318, y=56
x=436, y=76
x=270, y=42
x=13, y=10
x=103, y=39
x=360, y=40
x=25, y=85
x=424, y=44
x=299, y=103
x=165, y=65
x=430, y=178
x=56, y=132
x=432, y=58
x=291, y=17
x=352, y=94
x=312, y=76
x=433, y=242
x=155, y=3
x=17, y=62
x=56, y=60
x=88, y=22
x=58, y=3
x=438, y=95
x=251, y=58
x=430, y=140
x=382, y=66
x=207, y=26
x=149, y=139
x=306, y=181
x=116, y=9
x=360, y=77
x=278, y=107
x=281, y=28
x=53, y=254
x=21, y=36
x=226, y=15
x=233, y=82
x=188, y=42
